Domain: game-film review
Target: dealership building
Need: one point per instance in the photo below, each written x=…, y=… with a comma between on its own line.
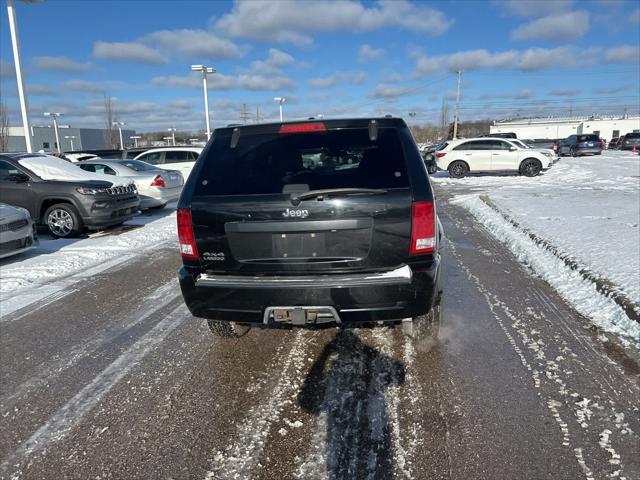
x=44, y=138
x=554, y=128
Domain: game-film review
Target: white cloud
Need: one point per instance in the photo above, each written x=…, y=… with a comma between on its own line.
x=134, y=52
x=609, y=90
x=562, y=27
x=275, y=60
x=634, y=18
x=242, y=81
x=535, y=8
x=367, y=53
x=7, y=70
x=290, y=21
x=42, y=90
x=83, y=86
x=388, y=91
x=60, y=64
x=195, y=43
x=623, y=54
x=519, y=95
x=525, y=60
x=564, y=92
x=353, y=78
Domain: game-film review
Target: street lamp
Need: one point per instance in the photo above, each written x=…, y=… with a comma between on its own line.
x=135, y=139
x=15, y=43
x=205, y=70
x=70, y=137
x=120, y=125
x=55, y=116
x=173, y=135
x=280, y=101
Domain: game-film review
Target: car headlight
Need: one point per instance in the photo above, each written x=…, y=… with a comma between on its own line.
x=90, y=190
x=547, y=154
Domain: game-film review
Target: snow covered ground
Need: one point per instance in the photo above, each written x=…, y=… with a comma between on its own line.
x=32, y=276
x=588, y=207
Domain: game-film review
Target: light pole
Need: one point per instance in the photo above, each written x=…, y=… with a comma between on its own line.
x=173, y=135
x=70, y=137
x=135, y=139
x=15, y=43
x=205, y=70
x=55, y=116
x=166, y=138
x=280, y=101
x=120, y=125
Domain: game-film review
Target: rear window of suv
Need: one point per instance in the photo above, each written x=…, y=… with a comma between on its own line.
x=588, y=138
x=268, y=163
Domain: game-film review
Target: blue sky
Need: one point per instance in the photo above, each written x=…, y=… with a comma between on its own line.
x=336, y=58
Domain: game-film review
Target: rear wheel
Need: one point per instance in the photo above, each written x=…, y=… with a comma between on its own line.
x=63, y=220
x=530, y=167
x=425, y=326
x=458, y=169
x=227, y=329
x=574, y=152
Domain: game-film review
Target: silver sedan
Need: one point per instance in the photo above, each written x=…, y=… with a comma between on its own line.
x=17, y=231
x=156, y=186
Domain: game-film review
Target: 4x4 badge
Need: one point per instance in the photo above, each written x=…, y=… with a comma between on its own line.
x=295, y=213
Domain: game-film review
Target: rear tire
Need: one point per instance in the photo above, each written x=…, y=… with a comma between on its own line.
x=227, y=329
x=530, y=167
x=63, y=220
x=458, y=169
x=574, y=152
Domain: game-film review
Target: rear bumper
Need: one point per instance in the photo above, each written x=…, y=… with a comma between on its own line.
x=401, y=293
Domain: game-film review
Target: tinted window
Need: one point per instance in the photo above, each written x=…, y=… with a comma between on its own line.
x=588, y=138
x=6, y=170
x=138, y=165
x=178, y=157
x=477, y=145
x=267, y=163
x=153, y=158
x=98, y=168
x=629, y=136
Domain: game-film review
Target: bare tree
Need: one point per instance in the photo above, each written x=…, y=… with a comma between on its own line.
x=110, y=134
x=4, y=127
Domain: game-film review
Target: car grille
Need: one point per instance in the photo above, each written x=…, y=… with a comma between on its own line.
x=13, y=226
x=8, y=247
x=122, y=190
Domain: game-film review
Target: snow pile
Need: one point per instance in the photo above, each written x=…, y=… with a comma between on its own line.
x=53, y=262
x=54, y=168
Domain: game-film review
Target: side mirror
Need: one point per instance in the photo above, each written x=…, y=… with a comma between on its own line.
x=18, y=177
x=512, y=149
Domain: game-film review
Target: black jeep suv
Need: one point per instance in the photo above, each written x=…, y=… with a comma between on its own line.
x=308, y=223
x=66, y=207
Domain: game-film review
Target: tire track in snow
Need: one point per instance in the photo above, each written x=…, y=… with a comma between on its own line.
x=71, y=413
x=54, y=367
x=241, y=459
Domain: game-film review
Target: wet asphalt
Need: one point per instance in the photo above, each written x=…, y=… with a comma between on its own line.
x=113, y=379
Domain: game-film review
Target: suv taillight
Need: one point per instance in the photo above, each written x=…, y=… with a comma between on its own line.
x=185, y=235
x=158, y=182
x=440, y=154
x=423, y=228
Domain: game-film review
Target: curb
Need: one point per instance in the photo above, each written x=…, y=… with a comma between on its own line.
x=603, y=285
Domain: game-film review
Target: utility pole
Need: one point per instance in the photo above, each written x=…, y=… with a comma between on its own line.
x=258, y=117
x=244, y=116
x=455, y=123
x=55, y=116
x=15, y=43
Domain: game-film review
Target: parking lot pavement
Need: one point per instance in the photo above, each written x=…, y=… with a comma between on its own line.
x=117, y=380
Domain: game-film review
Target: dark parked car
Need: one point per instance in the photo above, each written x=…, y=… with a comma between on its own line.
x=576, y=145
x=66, y=206
x=628, y=141
x=613, y=144
x=311, y=223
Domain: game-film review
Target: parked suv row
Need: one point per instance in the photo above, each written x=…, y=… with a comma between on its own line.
x=576, y=145
x=63, y=197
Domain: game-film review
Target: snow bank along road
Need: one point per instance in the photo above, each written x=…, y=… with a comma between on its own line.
x=116, y=380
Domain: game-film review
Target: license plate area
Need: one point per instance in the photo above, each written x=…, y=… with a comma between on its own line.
x=298, y=245
x=301, y=316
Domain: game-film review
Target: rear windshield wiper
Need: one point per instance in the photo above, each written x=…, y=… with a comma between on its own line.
x=320, y=194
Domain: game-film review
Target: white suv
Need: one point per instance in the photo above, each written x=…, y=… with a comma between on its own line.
x=460, y=157
x=172, y=158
